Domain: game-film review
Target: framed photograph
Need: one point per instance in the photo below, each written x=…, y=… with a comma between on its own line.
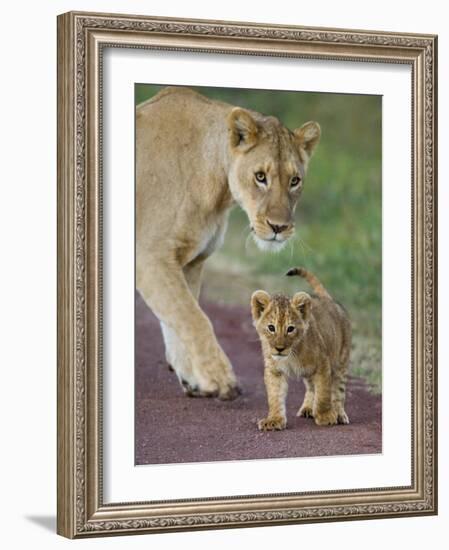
x=247, y=274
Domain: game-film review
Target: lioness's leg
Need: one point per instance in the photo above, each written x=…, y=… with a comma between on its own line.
x=306, y=408
x=323, y=412
x=276, y=386
x=178, y=359
x=175, y=351
x=164, y=288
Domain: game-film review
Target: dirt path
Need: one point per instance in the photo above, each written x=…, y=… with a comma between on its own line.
x=173, y=428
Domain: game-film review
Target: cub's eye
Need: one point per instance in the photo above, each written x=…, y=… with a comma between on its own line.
x=261, y=177
x=295, y=181
x=290, y=328
x=271, y=328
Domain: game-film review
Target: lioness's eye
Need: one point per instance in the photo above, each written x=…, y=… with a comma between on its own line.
x=294, y=181
x=290, y=328
x=261, y=177
x=271, y=328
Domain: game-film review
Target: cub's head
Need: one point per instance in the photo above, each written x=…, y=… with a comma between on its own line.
x=267, y=169
x=280, y=320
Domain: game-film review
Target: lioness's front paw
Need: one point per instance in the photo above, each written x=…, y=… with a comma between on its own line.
x=305, y=411
x=343, y=418
x=195, y=391
x=272, y=423
x=232, y=392
x=218, y=377
x=326, y=419
x=224, y=377
x=224, y=392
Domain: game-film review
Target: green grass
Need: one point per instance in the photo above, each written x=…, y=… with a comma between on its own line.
x=339, y=217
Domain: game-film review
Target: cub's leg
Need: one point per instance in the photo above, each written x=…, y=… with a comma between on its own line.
x=165, y=290
x=276, y=386
x=306, y=409
x=323, y=412
x=339, y=388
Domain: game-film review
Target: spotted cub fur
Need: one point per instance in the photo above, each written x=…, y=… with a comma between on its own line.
x=306, y=335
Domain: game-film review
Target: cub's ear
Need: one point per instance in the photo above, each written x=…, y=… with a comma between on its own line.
x=308, y=137
x=302, y=302
x=259, y=302
x=243, y=129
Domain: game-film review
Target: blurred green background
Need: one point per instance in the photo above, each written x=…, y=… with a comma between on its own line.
x=338, y=219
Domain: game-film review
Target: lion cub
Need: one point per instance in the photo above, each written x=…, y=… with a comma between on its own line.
x=310, y=336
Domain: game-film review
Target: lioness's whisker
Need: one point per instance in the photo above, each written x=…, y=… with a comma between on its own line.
x=248, y=238
x=291, y=244
x=303, y=242
x=301, y=246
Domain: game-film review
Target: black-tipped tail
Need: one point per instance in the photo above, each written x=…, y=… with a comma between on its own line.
x=313, y=281
x=300, y=271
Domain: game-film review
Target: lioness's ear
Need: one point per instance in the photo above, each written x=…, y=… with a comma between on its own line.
x=308, y=136
x=243, y=129
x=302, y=302
x=259, y=301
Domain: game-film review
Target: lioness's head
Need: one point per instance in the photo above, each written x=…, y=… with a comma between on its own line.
x=280, y=321
x=268, y=166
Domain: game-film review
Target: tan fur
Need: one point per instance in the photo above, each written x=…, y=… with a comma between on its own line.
x=317, y=349
x=196, y=158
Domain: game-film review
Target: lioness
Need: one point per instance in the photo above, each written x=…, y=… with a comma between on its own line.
x=308, y=336
x=195, y=159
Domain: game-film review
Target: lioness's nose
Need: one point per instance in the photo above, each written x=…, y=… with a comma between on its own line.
x=277, y=228
x=278, y=349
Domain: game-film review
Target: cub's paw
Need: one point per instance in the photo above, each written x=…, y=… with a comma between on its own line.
x=272, y=423
x=305, y=411
x=326, y=419
x=343, y=418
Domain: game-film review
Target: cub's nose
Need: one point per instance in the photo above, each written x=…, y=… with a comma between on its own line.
x=277, y=228
x=279, y=350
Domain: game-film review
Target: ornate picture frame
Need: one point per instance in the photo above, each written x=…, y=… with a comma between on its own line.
x=82, y=38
